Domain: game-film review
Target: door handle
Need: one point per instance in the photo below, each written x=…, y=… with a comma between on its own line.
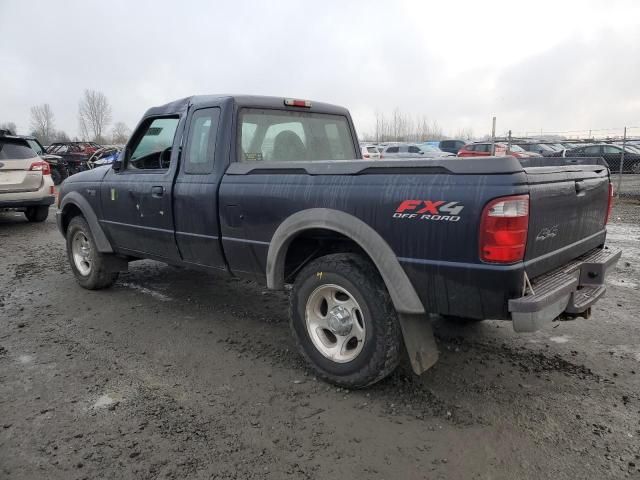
x=157, y=192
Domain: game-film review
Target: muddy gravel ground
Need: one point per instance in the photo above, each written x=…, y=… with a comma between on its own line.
x=176, y=374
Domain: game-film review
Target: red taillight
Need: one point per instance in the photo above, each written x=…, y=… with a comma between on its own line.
x=609, y=204
x=366, y=155
x=503, y=229
x=41, y=166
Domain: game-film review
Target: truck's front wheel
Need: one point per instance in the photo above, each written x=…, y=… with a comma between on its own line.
x=344, y=321
x=88, y=264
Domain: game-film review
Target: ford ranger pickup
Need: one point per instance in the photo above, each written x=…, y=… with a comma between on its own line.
x=275, y=189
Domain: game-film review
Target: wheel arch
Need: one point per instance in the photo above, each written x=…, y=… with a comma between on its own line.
x=403, y=295
x=74, y=203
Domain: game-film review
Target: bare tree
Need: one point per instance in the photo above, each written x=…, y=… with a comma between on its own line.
x=11, y=126
x=42, y=122
x=465, y=133
x=61, y=136
x=94, y=115
x=120, y=133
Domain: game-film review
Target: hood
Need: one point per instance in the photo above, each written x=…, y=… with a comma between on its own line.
x=93, y=175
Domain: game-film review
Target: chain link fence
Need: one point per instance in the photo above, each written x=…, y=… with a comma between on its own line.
x=619, y=147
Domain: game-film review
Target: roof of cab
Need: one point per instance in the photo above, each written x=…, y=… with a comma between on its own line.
x=252, y=101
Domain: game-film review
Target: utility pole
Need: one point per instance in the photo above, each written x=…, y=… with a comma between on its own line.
x=493, y=137
x=509, y=142
x=624, y=145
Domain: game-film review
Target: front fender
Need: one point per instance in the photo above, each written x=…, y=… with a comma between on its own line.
x=404, y=297
x=77, y=200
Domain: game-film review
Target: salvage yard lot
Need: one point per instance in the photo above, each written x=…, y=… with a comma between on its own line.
x=179, y=374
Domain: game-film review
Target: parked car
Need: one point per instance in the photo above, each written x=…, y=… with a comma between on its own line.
x=483, y=149
x=25, y=179
x=370, y=152
x=75, y=154
x=539, y=148
x=612, y=154
x=451, y=146
x=410, y=150
x=57, y=164
x=276, y=190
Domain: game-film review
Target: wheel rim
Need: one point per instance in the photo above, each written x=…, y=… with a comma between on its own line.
x=335, y=323
x=81, y=251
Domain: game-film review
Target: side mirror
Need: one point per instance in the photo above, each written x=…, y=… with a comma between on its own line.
x=118, y=163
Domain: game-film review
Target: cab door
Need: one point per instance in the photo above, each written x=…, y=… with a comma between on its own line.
x=136, y=200
x=196, y=192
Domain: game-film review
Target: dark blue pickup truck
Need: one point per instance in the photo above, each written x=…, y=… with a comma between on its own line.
x=275, y=189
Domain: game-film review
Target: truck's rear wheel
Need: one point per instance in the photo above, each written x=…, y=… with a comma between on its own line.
x=87, y=263
x=344, y=321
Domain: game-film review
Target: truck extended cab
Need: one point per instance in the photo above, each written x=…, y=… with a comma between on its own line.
x=276, y=189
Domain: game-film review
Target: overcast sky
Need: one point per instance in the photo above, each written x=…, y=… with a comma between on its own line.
x=536, y=65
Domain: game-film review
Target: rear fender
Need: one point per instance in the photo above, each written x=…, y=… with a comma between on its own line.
x=404, y=297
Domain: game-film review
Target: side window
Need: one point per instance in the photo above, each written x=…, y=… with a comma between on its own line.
x=471, y=148
x=595, y=150
x=413, y=149
x=393, y=150
x=611, y=150
x=151, y=149
x=201, y=143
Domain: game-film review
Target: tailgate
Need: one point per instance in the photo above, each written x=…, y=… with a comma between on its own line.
x=16, y=177
x=568, y=206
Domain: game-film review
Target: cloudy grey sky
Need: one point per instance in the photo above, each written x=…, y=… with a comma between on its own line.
x=550, y=65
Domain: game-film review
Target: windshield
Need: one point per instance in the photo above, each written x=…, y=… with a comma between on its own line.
x=516, y=148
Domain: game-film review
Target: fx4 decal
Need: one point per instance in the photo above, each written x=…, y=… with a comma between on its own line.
x=439, y=210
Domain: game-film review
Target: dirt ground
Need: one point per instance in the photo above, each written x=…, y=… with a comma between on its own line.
x=176, y=374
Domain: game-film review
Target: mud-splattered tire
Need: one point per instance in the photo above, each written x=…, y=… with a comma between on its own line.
x=88, y=265
x=37, y=214
x=323, y=292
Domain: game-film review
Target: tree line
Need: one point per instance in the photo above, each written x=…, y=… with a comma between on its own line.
x=94, y=119
x=402, y=127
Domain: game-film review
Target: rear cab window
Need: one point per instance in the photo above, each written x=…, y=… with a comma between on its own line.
x=15, y=149
x=283, y=135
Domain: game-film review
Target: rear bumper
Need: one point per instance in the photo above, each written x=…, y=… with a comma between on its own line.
x=573, y=289
x=32, y=202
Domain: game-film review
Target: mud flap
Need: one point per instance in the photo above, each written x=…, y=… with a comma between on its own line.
x=114, y=263
x=419, y=341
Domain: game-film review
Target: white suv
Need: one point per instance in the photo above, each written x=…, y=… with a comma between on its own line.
x=25, y=179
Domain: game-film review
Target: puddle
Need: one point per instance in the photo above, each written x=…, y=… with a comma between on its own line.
x=24, y=359
x=147, y=291
x=103, y=401
x=621, y=283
